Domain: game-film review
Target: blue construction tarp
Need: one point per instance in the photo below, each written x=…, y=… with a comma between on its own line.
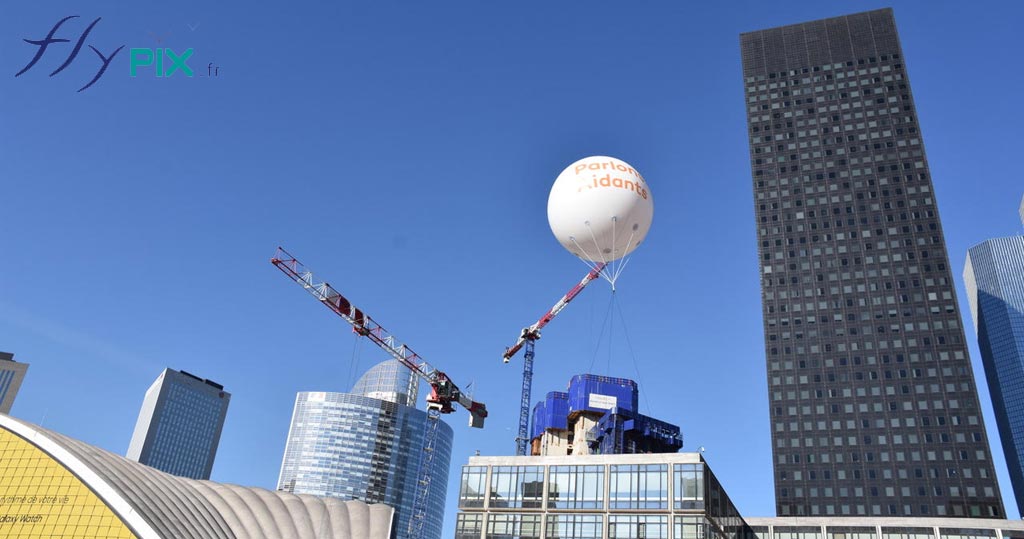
x=552, y=413
x=620, y=431
x=594, y=393
x=538, y=420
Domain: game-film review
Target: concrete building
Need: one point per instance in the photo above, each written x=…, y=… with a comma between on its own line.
x=994, y=275
x=55, y=486
x=179, y=425
x=12, y=373
x=654, y=496
x=873, y=404
x=598, y=415
x=367, y=445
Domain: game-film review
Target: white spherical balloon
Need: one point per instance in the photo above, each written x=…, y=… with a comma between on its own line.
x=600, y=208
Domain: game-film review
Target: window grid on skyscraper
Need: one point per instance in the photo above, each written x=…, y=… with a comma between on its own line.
x=873, y=404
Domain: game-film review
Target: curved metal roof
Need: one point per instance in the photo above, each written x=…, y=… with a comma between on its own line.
x=161, y=506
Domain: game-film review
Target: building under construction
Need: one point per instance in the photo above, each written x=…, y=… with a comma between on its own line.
x=598, y=415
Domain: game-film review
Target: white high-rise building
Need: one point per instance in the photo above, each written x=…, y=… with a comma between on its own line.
x=179, y=426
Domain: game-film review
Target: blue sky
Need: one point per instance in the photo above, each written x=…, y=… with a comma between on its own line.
x=405, y=151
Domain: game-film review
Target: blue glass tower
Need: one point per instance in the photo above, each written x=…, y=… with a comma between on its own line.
x=366, y=445
x=179, y=425
x=994, y=274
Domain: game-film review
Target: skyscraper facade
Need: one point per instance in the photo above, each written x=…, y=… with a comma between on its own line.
x=367, y=445
x=994, y=274
x=179, y=425
x=11, y=375
x=873, y=404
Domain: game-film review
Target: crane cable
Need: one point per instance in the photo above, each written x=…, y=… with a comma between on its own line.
x=609, y=321
x=353, y=364
x=632, y=353
x=600, y=336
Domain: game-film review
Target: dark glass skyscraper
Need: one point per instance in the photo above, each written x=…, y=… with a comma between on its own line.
x=994, y=274
x=873, y=403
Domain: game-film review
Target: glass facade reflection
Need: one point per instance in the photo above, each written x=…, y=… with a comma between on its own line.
x=638, y=526
x=517, y=486
x=643, y=486
x=356, y=447
x=692, y=527
x=994, y=275
x=576, y=487
x=689, y=486
x=513, y=526
x=569, y=526
x=656, y=496
x=474, y=486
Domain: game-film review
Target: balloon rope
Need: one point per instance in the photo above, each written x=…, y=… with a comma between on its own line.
x=606, y=277
x=611, y=332
x=615, y=226
x=632, y=353
x=596, y=244
x=625, y=260
x=590, y=264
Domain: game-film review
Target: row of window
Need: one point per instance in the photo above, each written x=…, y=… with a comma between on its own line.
x=975, y=510
x=639, y=486
x=568, y=526
x=934, y=474
x=887, y=532
x=782, y=78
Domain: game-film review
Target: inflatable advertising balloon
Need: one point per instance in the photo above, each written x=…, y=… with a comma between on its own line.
x=600, y=209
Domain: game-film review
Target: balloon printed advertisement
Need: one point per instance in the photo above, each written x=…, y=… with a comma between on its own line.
x=600, y=209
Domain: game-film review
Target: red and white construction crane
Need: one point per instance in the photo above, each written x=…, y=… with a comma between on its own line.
x=527, y=337
x=443, y=392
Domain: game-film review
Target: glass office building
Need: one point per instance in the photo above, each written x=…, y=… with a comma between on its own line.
x=179, y=425
x=11, y=375
x=994, y=274
x=654, y=496
x=366, y=445
x=873, y=403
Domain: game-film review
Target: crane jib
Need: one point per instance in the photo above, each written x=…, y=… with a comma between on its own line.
x=445, y=393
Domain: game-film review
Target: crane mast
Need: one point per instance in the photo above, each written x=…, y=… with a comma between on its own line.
x=527, y=337
x=443, y=392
